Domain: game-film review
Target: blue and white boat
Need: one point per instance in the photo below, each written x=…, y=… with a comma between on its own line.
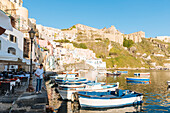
x=62, y=76
x=137, y=79
x=142, y=74
x=66, y=91
x=69, y=79
x=109, y=99
x=138, y=82
x=122, y=72
x=75, y=82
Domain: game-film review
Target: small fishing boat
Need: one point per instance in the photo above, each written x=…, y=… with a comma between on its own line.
x=113, y=74
x=122, y=72
x=63, y=76
x=66, y=91
x=75, y=82
x=71, y=72
x=75, y=73
x=142, y=74
x=69, y=79
x=168, y=82
x=138, y=82
x=138, y=79
x=109, y=99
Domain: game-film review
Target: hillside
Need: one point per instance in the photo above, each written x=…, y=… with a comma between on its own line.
x=85, y=33
x=147, y=53
x=120, y=50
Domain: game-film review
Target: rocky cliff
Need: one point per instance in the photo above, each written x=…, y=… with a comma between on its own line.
x=86, y=33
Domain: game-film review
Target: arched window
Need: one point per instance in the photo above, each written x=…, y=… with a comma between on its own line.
x=12, y=50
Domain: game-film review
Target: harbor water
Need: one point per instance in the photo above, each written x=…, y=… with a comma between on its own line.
x=156, y=94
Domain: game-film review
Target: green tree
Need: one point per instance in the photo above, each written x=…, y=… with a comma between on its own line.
x=98, y=39
x=74, y=26
x=62, y=41
x=128, y=43
x=83, y=45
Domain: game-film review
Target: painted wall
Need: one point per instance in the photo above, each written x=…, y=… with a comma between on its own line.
x=6, y=43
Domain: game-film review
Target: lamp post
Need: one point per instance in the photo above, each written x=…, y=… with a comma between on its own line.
x=30, y=87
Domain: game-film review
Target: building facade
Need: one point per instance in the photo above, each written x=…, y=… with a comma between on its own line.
x=12, y=42
x=164, y=38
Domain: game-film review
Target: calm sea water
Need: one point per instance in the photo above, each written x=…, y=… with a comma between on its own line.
x=156, y=95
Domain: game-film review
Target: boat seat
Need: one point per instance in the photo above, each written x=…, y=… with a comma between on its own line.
x=120, y=92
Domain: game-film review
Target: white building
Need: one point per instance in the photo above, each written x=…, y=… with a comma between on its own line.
x=164, y=38
x=97, y=63
x=12, y=42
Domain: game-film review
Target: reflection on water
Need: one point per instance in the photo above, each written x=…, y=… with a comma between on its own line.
x=156, y=95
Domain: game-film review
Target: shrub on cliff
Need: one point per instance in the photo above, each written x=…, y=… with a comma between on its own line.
x=81, y=45
x=62, y=41
x=99, y=39
x=128, y=43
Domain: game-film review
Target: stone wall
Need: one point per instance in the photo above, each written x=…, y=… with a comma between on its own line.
x=136, y=37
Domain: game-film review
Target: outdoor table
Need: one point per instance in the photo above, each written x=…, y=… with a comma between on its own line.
x=24, y=79
x=13, y=79
x=27, y=75
x=7, y=85
x=19, y=75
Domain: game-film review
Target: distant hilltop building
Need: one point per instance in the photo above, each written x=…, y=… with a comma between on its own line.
x=164, y=38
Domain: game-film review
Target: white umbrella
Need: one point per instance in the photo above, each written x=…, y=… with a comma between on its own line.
x=5, y=21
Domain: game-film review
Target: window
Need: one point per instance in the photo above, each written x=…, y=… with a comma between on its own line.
x=0, y=44
x=12, y=38
x=12, y=50
x=20, y=3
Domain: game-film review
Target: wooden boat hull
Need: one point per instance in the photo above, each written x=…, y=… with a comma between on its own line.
x=66, y=94
x=137, y=79
x=76, y=73
x=138, y=82
x=142, y=74
x=112, y=74
x=123, y=72
x=60, y=81
x=86, y=102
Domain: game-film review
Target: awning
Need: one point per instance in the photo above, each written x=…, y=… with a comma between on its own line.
x=35, y=63
x=5, y=21
x=26, y=61
x=8, y=57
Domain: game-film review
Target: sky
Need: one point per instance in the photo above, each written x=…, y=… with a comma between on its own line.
x=128, y=16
